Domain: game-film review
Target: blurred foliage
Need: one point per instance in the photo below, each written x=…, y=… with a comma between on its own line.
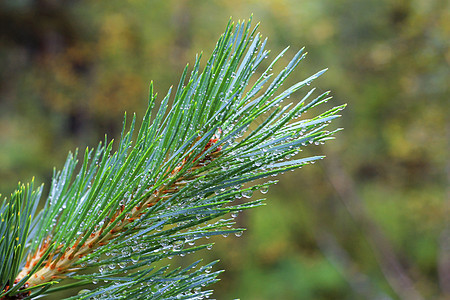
x=68, y=70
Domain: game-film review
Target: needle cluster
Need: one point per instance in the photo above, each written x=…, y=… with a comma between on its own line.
x=110, y=217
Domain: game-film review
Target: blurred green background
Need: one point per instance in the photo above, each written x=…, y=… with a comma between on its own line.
x=369, y=222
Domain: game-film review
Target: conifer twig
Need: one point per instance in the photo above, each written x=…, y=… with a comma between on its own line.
x=167, y=186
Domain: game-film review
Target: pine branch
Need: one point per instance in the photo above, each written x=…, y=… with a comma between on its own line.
x=167, y=186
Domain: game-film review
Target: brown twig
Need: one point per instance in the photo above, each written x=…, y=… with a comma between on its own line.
x=390, y=265
x=444, y=242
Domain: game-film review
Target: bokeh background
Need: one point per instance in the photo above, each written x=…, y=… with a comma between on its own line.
x=369, y=222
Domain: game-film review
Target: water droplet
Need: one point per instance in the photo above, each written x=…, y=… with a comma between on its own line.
x=84, y=291
x=264, y=189
x=238, y=234
x=178, y=245
x=247, y=194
